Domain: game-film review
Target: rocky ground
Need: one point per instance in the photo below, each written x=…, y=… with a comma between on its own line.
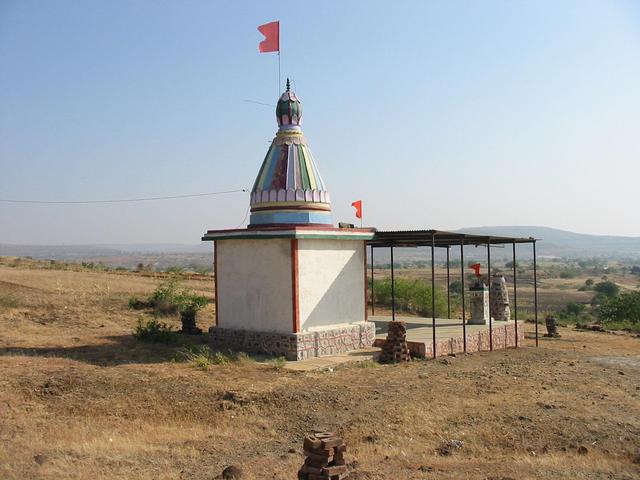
x=80, y=398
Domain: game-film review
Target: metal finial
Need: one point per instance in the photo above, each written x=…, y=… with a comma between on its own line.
x=288, y=84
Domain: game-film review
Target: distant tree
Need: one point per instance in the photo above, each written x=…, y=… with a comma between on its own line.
x=607, y=288
x=635, y=270
x=574, y=308
x=589, y=282
x=568, y=273
x=510, y=264
x=625, y=308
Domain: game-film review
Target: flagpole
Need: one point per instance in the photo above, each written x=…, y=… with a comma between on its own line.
x=279, y=81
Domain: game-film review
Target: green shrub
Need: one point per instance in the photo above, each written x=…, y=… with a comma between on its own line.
x=153, y=331
x=176, y=270
x=456, y=287
x=277, y=363
x=607, y=288
x=413, y=296
x=169, y=298
x=568, y=273
x=574, y=308
x=136, y=304
x=621, y=311
x=165, y=299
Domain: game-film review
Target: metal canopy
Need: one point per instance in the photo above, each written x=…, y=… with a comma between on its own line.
x=439, y=238
x=444, y=239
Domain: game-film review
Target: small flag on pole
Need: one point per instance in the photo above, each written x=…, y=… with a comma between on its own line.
x=476, y=269
x=271, y=42
x=358, y=206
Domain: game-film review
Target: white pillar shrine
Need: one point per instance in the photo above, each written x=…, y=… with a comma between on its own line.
x=291, y=283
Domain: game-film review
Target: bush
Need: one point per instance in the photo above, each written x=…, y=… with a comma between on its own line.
x=574, y=308
x=198, y=355
x=169, y=298
x=136, y=304
x=203, y=358
x=456, y=287
x=568, y=273
x=621, y=311
x=165, y=299
x=277, y=363
x=153, y=331
x=607, y=288
x=413, y=296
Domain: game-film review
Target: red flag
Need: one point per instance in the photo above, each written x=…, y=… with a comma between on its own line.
x=476, y=269
x=358, y=206
x=271, y=32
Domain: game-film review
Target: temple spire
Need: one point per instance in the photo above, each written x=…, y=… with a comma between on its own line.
x=289, y=189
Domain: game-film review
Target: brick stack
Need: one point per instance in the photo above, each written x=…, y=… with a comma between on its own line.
x=325, y=458
x=395, y=348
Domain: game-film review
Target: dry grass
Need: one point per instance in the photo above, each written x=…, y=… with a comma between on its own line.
x=79, y=398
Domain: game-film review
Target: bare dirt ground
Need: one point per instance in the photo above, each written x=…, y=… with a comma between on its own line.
x=80, y=398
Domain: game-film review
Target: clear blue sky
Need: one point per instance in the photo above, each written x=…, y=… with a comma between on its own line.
x=435, y=114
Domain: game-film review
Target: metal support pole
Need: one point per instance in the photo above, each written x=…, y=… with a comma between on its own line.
x=464, y=321
x=433, y=292
x=489, y=285
x=393, y=290
x=515, y=293
x=448, y=287
x=535, y=290
x=373, y=308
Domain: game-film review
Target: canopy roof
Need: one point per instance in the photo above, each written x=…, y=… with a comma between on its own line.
x=439, y=238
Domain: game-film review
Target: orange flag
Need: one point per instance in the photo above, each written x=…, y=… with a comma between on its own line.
x=271, y=42
x=358, y=206
x=476, y=269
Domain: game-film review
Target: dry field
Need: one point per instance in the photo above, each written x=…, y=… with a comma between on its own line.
x=80, y=398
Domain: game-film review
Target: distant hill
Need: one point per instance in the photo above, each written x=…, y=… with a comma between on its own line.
x=160, y=256
x=561, y=243
x=553, y=243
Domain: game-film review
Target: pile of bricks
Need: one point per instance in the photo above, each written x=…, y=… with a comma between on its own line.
x=325, y=458
x=395, y=348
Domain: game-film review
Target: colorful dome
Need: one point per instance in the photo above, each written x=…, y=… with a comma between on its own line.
x=289, y=189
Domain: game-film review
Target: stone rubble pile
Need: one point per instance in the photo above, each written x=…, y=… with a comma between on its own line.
x=395, y=348
x=325, y=458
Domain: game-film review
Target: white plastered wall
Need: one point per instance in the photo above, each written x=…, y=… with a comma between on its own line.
x=330, y=282
x=255, y=285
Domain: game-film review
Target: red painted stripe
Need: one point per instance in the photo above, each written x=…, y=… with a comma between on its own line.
x=294, y=285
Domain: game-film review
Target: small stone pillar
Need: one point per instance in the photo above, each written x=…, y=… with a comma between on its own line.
x=395, y=348
x=499, y=298
x=552, y=328
x=325, y=458
x=479, y=294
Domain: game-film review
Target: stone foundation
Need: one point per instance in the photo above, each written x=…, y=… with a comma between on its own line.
x=296, y=346
x=504, y=336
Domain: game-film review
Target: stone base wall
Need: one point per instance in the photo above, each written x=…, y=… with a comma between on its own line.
x=296, y=346
x=504, y=336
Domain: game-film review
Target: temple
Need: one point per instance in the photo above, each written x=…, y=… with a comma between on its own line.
x=291, y=284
